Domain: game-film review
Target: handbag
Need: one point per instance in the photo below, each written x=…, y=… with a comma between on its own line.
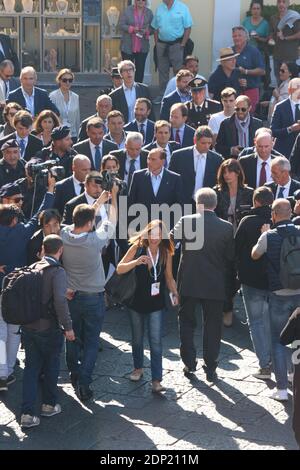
x=121, y=287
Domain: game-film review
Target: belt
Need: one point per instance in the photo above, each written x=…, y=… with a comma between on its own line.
x=171, y=43
x=80, y=292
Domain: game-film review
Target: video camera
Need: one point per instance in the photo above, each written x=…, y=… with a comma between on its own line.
x=294, y=198
x=40, y=171
x=242, y=211
x=108, y=179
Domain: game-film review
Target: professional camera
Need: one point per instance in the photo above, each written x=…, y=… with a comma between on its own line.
x=40, y=171
x=243, y=211
x=108, y=179
x=294, y=198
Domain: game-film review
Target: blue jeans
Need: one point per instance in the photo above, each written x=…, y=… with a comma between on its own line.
x=257, y=311
x=154, y=322
x=42, y=353
x=281, y=307
x=87, y=313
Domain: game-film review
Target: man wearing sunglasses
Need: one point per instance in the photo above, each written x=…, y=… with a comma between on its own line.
x=237, y=132
x=7, y=81
x=11, y=165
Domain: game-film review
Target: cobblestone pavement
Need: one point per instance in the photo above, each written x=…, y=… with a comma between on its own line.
x=235, y=413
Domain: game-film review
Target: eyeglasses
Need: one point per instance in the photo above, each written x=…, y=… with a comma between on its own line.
x=127, y=70
x=282, y=71
x=65, y=80
x=241, y=109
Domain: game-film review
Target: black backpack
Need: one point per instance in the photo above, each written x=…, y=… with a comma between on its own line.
x=21, y=301
x=290, y=261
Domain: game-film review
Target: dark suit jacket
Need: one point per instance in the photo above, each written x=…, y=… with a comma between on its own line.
x=121, y=156
x=167, y=104
x=34, y=145
x=34, y=247
x=119, y=101
x=70, y=206
x=188, y=136
x=133, y=127
x=228, y=135
x=41, y=100
x=206, y=266
x=249, y=165
x=64, y=192
x=172, y=146
x=282, y=119
x=182, y=162
x=295, y=158
x=82, y=134
x=84, y=149
x=9, y=53
x=295, y=185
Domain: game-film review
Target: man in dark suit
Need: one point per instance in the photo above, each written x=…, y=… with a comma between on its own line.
x=73, y=186
x=49, y=221
x=7, y=52
x=182, y=94
x=29, y=96
x=90, y=195
x=181, y=133
x=141, y=123
x=7, y=82
x=95, y=147
x=197, y=165
x=103, y=107
x=116, y=134
x=28, y=143
x=285, y=123
x=123, y=98
x=207, y=254
x=237, y=132
x=132, y=158
x=257, y=167
x=200, y=108
x=283, y=186
x=162, y=136
x=155, y=186
x=295, y=159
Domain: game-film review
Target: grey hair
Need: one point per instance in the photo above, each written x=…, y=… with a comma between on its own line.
x=134, y=137
x=207, y=197
x=28, y=69
x=282, y=162
x=6, y=63
x=123, y=63
x=104, y=97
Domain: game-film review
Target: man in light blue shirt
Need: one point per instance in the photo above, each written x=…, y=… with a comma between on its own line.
x=172, y=23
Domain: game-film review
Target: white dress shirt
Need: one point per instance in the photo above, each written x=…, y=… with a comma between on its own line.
x=77, y=187
x=29, y=99
x=199, y=167
x=127, y=166
x=93, y=150
x=130, y=95
x=286, y=191
x=100, y=212
x=267, y=167
x=156, y=180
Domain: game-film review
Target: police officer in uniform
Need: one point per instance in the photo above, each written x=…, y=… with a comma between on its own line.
x=200, y=108
x=116, y=82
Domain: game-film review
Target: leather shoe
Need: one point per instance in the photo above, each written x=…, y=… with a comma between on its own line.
x=157, y=387
x=188, y=371
x=85, y=393
x=211, y=376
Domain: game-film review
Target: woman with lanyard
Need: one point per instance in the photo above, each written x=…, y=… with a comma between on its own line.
x=151, y=256
x=67, y=102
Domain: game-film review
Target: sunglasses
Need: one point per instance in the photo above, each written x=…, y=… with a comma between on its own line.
x=66, y=80
x=241, y=109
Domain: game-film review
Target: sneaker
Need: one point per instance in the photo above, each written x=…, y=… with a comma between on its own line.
x=291, y=377
x=280, y=395
x=264, y=373
x=3, y=384
x=10, y=379
x=48, y=410
x=136, y=375
x=28, y=421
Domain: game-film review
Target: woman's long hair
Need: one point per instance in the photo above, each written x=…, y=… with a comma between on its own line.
x=231, y=165
x=166, y=246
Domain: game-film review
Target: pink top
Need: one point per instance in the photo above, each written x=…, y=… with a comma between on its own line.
x=138, y=22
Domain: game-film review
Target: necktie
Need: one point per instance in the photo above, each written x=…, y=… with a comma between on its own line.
x=297, y=113
x=198, y=109
x=142, y=131
x=97, y=158
x=81, y=188
x=131, y=171
x=22, y=147
x=199, y=174
x=281, y=193
x=263, y=174
x=177, y=137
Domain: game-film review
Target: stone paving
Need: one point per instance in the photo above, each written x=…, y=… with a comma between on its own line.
x=235, y=413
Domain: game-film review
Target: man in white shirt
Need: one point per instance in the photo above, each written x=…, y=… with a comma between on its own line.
x=228, y=97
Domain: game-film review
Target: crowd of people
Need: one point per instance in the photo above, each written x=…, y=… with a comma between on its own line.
x=224, y=174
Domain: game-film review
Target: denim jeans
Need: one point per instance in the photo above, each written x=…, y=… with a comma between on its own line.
x=9, y=345
x=257, y=311
x=42, y=353
x=281, y=308
x=154, y=323
x=87, y=313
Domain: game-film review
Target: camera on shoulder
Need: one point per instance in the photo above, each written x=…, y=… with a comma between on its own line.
x=108, y=179
x=40, y=171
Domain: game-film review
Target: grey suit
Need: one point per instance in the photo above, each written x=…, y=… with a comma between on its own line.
x=199, y=270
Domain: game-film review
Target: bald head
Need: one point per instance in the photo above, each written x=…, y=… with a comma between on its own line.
x=81, y=167
x=281, y=210
x=264, y=145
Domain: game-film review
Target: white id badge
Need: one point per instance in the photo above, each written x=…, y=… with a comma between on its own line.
x=155, y=289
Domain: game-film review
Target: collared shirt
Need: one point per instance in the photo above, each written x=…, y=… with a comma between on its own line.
x=172, y=22
x=199, y=167
x=286, y=191
x=219, y=80
x=156, y=180
x=121, y=145
x=127, y=165
x=145, y=123
x=250, y=58
x=77, y=186
x=29, y=99
x=172, y=85
x=18, y=139
x=168, y=152
x=181, y=133
x=185, y=97
x=101, y=212
x=267, y=167
x=130, y=95
x=93, y=149
x=293, y=106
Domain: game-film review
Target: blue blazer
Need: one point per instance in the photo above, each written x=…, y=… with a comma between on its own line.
x=41, y=100
x=167, y=104
x=188, y=136
x=133, y=127
x=282, y=119
x=64, y=192
x=182, y=162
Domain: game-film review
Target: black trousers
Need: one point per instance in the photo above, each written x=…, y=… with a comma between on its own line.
x=296, y=414
x=212, y=331
x=139, y=59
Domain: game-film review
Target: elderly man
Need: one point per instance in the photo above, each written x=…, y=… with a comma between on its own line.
x=250, y=63
x=103, y=107
x=29, y=96
x=7, y=80
x=132, y=158
x=283, y=186
x=172, y=25
x=181, y=133
x=182, y=94
x=226, y=75
x=200, y=108
x=237, y=132
x=11, y=166
x=285, y=123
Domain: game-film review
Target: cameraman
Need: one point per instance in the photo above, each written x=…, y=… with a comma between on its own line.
x=83, y=263
x=254, y=280
x=33, y=190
